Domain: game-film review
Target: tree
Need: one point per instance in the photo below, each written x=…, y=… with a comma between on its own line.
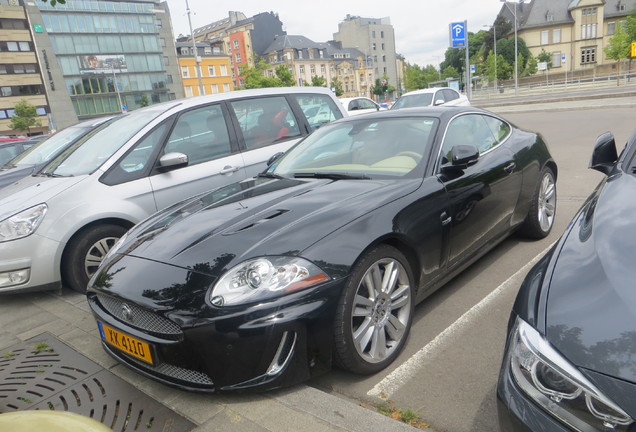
x=416, y=77
x=284, y=75
x=54, y=2
x=504, y=69
x=25, y=117
x=318, y=81
x=506, y=47
x=143, y=100
x=545, y=57
x=619, y=46
x=450, y=72
x=337, y=87
x=255, y=77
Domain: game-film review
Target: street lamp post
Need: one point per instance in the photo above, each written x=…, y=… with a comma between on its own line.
x=516, y=48
x=494, y=30
x=197, y=58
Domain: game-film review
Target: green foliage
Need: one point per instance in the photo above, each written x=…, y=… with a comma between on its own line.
x=255, y=77
x=25, y=117
x=284, y=75
x=143, y=101
x=506, y=48
x=450, y=72
x=531, y=67
x=318, y=81
x=545, y=57
x=504, y=69
x=54, y=2
x=337, y=87
x=619, y=46
x=416, y=77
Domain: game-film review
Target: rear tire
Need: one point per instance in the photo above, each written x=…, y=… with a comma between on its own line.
x=540, y=218
x=375, y=311
x=86, y=251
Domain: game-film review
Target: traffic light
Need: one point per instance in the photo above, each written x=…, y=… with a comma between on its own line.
x=385, y=88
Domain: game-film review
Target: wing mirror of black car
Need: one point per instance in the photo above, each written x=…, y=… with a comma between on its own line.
x=604, y=156
x=274, y=158
x=464, y=155
x=171, y=161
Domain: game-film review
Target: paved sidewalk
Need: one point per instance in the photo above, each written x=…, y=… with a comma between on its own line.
x=301, y=408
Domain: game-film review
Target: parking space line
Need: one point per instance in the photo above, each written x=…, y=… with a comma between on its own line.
x=405, y=372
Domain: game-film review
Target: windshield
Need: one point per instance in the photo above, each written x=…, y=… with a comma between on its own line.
x=52, y=146
x=415, y=100
x=86, y=156
x=364, y=149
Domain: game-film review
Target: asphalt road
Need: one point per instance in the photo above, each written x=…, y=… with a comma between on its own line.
x=448, y=370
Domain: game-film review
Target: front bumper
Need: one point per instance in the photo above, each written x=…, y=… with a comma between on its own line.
x=202, y=348
x=37, y=254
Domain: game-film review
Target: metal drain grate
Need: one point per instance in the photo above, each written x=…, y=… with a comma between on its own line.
x=44, y=373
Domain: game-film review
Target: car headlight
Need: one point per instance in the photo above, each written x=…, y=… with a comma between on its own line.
x=22, y=224
x=559, y=387
x=261, y=278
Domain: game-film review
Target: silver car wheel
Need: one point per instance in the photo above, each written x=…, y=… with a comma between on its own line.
x=96, y=254
x=547, y=202
x=381, y=310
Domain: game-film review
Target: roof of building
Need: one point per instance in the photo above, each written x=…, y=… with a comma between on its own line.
x=283, y=42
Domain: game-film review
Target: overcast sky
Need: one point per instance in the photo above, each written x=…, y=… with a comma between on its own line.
x=421, y=26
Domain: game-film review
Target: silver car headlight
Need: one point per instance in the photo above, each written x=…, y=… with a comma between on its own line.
x=559, y=387
x=265, y=277
x=22, y=224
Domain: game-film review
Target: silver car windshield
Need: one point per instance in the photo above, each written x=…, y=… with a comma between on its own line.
x=416, y=100
x=48, y=148
x=88, y=155
x=360, y=149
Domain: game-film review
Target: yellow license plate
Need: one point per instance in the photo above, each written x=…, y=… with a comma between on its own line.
x=125, y=343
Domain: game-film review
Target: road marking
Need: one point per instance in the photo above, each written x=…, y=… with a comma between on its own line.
x=405, y=372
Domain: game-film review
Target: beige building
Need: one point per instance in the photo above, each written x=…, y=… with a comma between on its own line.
x=574, y=32
x=20, y=72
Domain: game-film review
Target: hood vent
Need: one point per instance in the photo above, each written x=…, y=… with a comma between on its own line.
x=263, y=219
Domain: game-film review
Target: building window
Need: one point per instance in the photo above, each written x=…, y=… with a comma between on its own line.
x=211, y=71
x=188, y=91
x=312, y=70
x=589, y=12
x=207, y=50
x=588, y=55
x=226, y=87
x=382, y=46
x=373, y=47
x=166, y=61
x=158, y=23
x=236, y=44
x=301, y=69
x=300, y=54
x=223, y=70
x=162, y=42
x=372, y=33
x=185, y=72
x=556, y=59
x=556, y=36
x=238, y=57
x=382, y=34
x=611, y=28
x=588, y=31
x=323, y=69
x=545, y=37
x=6, y=91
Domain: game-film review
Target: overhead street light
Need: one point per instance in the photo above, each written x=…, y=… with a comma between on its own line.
x=516, y=48
x=494, y=30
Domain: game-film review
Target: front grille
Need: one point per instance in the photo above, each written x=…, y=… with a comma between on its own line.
x=170, y=372
x=142, y=319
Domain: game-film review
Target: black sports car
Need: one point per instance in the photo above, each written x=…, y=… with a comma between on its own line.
x=323, y=256
x=570, y=361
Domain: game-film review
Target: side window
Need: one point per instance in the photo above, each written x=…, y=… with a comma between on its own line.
x=500, y=129
x=439, y=98
x=318, y=109
x=136, y=163
x=470, y=129
x=8, y=152
x=353, y=105
x=450, y=95
x=265, y=121
x=366, y=104
x=201, y=134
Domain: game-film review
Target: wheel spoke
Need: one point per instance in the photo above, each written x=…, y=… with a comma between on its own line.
x=374, y=285
x=400, y=302
x=549, y=209
x=390, y=276
x=395, y=328
x=549, y=191
x=363, y=334
x=378, y=344
x=362, y=306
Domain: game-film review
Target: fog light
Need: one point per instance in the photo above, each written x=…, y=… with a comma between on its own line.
x=15, y=277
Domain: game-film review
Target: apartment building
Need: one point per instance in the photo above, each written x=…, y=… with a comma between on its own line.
x=213, y=65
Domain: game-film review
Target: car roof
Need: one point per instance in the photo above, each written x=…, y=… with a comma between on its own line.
x=442, y=112
x=428, y=90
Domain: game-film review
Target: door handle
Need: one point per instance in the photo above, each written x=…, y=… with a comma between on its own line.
x=445, y=218
x=510, y=167
x=229, y=169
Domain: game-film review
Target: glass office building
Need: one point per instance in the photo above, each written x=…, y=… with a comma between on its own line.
x=112, y=54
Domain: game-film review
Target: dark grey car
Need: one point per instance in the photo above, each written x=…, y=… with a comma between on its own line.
x=570, y=361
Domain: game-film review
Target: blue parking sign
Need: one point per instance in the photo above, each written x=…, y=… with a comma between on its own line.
x=458, y=34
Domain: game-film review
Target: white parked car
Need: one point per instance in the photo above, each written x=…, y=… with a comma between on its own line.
x=431, y=97
x=56, y=226
x=360, y=105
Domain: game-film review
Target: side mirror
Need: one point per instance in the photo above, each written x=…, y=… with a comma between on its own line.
x=439, y=102
x=464, y=155
x=274, y=158
x=604, y=156
x=172, y=161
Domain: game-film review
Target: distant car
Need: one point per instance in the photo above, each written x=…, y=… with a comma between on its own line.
x=360, y=105
x=570, y=359
x=45, y=150
x=58, y=224
x=431, y=97
x=11, y=148
x=321, y=258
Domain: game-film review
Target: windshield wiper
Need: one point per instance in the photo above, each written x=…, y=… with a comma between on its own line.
x=334, y=176
x=50, y=174
x=270, y=175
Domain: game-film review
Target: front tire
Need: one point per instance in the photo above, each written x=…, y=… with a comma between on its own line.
x=540, y=218
x=375, y=311
x=86, y=251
